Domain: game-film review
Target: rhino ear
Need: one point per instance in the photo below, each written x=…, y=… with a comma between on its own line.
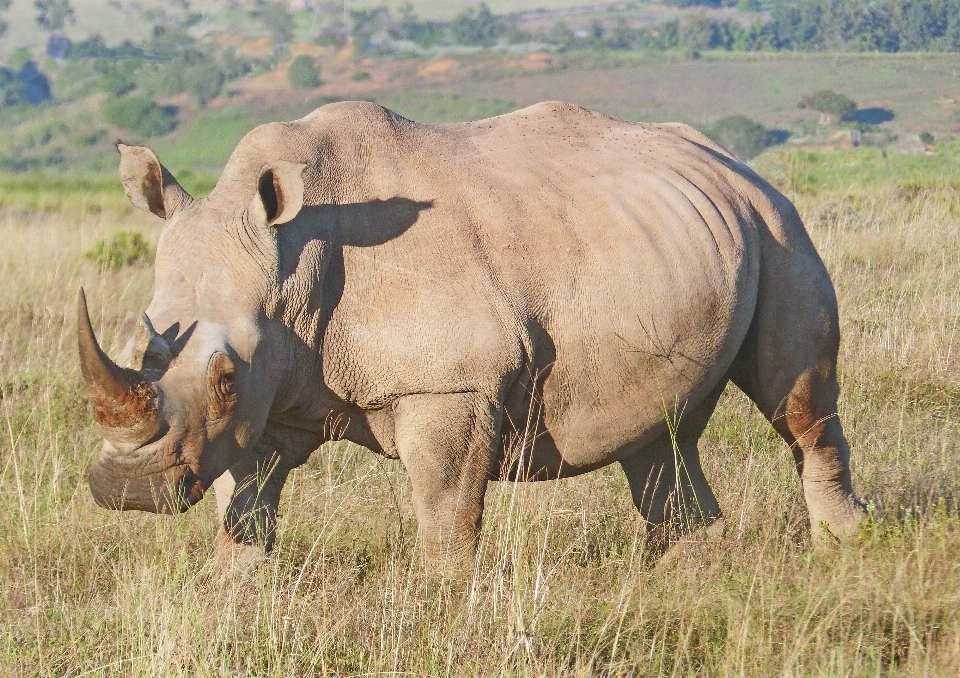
x=148, y=184
x=280, y=191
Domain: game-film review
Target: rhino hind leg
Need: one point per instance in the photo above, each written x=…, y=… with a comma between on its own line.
x=667, y=482
x=804, y=413
x=788, y=366
x=447, y=444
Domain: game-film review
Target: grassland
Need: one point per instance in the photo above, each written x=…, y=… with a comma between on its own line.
x=564, y=586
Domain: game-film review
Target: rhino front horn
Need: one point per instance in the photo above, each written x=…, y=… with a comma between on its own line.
x=124, y=404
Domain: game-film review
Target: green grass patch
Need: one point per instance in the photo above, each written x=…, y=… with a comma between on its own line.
x=60, y=192
x=37, y=192
x=859, y=171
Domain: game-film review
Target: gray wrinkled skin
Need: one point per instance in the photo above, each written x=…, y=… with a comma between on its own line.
x=527, y=297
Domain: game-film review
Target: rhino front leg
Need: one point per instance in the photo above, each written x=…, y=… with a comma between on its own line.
x=248, y=497
x=447, y=444
x=248, y=494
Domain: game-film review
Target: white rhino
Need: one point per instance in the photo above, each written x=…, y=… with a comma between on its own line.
x=528, y=297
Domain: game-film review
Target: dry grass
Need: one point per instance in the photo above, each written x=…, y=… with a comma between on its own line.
x=563, y=587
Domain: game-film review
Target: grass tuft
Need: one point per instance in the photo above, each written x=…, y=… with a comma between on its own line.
x=123, y=248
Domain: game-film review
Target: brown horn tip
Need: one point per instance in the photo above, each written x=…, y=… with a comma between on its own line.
x=124, y=404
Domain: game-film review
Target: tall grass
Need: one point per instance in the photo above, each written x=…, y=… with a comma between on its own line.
x=564, y=586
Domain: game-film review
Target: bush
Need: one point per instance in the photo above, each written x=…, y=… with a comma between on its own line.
x=203, y=82
x=123, y=249
x=304, y=72
x=118, y=80
x=138, y=114
x=741, y=135
x=828, y=102
x=926, y=138
x=360, y=76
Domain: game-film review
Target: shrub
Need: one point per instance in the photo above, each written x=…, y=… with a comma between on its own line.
x=741, y=135
x=304, y=72
x=926, y=138
x=827, y=102
x=360, y=76
x=124, y=248
x=138, y=114
x=118, y=81
x=203, y=82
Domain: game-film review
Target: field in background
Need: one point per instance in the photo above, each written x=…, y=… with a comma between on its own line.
x=564, y=587
x=444, y=9
x=123, y=20
x=919, y=92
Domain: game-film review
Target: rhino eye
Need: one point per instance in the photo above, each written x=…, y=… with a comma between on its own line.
x=222, y=377
x=225, y=386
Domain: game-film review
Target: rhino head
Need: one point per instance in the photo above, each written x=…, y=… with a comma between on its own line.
x=188, y=400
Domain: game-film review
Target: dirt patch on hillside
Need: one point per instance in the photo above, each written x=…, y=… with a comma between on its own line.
x=536, y=61
x=438, y=66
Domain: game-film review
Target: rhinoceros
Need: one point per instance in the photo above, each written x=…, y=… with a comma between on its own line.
x=528, y=297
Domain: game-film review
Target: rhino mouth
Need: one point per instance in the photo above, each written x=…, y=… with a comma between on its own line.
x=153, y=479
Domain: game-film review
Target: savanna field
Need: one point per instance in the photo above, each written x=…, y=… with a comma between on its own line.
x=564, y=585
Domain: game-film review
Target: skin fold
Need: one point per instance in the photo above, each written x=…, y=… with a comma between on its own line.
x=528, y=297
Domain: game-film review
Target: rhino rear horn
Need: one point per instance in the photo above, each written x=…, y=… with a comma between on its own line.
x=124, y=404
x=148, y=184
x=151, y=351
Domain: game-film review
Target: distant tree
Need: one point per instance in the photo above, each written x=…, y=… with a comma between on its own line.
x=622, y=36
x=18, y=59
x=117, y=79
x=828, y=104
x=9, y=87
x=741, y=135
x=408, y=26
x=203, y=82
x=53, y=15
x=4, y=6
x=595, y=33
x=697, y=32
x=561, y=35
x=276, y=18
x=304, y=73
x=475, y=26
